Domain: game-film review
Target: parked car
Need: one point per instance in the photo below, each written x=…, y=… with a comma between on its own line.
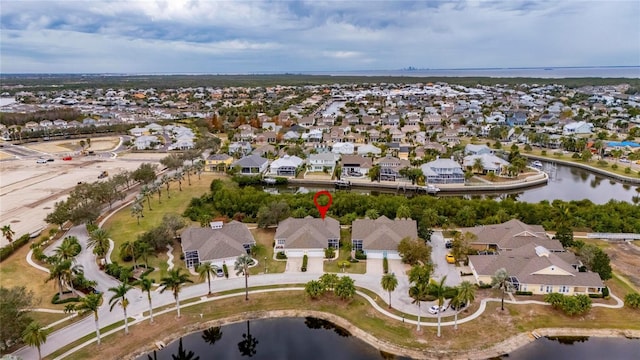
x=50, y=160
x=219, y=272
x=450, y=258
x=436, y=309
x=41, y=161
x=448, y=244
x=462, y=306
x=67, y=158
x=103, y=175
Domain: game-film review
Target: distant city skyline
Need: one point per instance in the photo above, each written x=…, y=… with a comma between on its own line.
x=242, y=37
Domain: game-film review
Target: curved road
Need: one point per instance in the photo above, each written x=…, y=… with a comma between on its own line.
x=138, y=302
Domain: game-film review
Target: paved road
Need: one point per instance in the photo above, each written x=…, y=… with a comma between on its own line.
x=442, y=268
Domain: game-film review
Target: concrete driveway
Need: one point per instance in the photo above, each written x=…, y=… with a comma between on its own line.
x=442, y=268
x=374, y=267
x=314, y=265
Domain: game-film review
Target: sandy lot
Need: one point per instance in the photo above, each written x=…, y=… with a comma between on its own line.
x=28, y=191
x=70, y=146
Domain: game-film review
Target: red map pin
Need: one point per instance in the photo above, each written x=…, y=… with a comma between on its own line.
x=322, y=209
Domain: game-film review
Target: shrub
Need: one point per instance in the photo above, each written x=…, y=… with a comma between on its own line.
x=544, y=152
x=305, y=260
x=605, y=292
x=344, y=264
x=385, y=265
x=484, y=286
x=614, y=166
x=596, y=296
x=602, y=163
x=281, y=255
x=329, y=253
x=360, y=255
x=56, y=298
x=627, y=170
x=113, y=269
x=225, y=270
x=575, y=156
x=6, y=251
x=632, y=300
x=528, y=293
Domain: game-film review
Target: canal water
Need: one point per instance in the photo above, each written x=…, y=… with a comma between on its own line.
x=565, y=183
x=315, y=339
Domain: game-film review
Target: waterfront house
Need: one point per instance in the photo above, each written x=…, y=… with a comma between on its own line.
x=218, y=162
x=490, y=163
x=323, y=161
x=217, y=244
x=310, y=236
x=443, y=171
x=379, y=238
x=251, y=165
x=285, y=166
x=355, y=165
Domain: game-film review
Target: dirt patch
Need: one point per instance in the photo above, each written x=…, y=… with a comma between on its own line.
x=625, y=260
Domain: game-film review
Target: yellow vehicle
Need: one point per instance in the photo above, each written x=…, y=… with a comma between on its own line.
x=450, y=258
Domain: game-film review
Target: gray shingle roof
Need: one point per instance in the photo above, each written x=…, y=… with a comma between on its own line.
x=383, y=233
x=217, y=243
x=512, y=234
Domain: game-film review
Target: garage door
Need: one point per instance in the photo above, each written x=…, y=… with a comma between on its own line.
x=315, y=253
x=374, y=254
x=294, y=253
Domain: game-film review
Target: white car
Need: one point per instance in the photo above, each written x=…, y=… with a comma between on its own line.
x=41, y=161
x=434, y=309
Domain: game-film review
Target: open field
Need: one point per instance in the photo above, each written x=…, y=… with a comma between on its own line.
x=65, y=146
x=29, y=190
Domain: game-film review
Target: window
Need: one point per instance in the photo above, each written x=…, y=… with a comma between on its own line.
x=334, y=243
x=549, y=288
x=357, y=245
x=191, y=258
x=280, y=242
x=564, y=289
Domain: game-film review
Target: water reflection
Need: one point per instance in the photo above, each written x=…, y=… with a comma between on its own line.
x=212, y=335
x=184, y=354
x=247, y=346
x=315, y=323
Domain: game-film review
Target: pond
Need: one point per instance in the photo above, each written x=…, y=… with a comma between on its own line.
x=315, y=339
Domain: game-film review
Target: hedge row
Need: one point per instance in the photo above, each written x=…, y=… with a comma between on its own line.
x=6, y=251
x=56, y=299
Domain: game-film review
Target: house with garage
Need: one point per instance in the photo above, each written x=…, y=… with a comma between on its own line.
x=323, y=162
x=473, y=149
x=390, y=167
x=490, y=163
x=219, y=243
x=510, y=235
x=251, y=165
x=355, y=165
x=307, y=236
x=379, y=238
x=285, y=166
x=443, y=171
x=578, y=128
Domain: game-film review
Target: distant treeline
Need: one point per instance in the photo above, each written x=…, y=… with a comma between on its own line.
x=62, y=113
x=49, y=82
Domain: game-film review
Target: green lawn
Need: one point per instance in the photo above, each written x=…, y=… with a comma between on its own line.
x=264, y=249
x=353, y=268
x=124, y=227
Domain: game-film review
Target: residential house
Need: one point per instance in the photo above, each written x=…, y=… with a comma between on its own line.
x=355, y=165
x=379, y=238
x=577, y=128
x=323, y=162
x=285, y=166
x=443, y=171
x=218, y=162
x=239, y=148
x=251, y=165
x=490, y=163
x=369, y=150
x=308, y=236
x=146, y=142
x=390, y=167
x=343, y=148
x=217, y=244
x=510, y=235
x=473, y=149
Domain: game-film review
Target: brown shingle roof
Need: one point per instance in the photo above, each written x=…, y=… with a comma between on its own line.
x=512, y=234
x=383, y=233
x=308, y=233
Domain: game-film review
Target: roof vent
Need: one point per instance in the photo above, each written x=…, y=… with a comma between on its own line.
x=542, y=251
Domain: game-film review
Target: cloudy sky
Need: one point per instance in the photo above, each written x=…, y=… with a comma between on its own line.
x=207, y=36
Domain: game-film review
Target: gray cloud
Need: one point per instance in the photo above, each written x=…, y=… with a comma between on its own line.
x=253, y=36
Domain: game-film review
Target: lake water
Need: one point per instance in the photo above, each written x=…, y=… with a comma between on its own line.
x=314, y=339
x=566, y=183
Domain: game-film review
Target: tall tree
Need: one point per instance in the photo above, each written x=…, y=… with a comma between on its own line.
x=418, y=292
x=120, y=297
x=35, y=335
x=128, y=249
x=389, y=283
x=99, y=241
x=206, y=270
x=68, y=249
x=465, y=295
x=146, y=285
x=242, y=267
x=145, y=173
x=174, y=282
x=88, y=304
x=15, y=303
x=500, y=280
x=438, y=290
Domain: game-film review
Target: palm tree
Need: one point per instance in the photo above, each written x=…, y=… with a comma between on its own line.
x=89, y=303
x=68, y=249
x=99, y=240
x=147, y=192
x=389, y=283
x=166, y=180
x=146, y=285
x=438, y=289
x=120, y=297
x=178, y=176
x=128, y=248
x=477, y=166
x=8, y=233
x=174, y=281
x=35, y=335
x=242, y=267
x=143, y=250
x=500, y=280
x=205, y=270
x=136, y=211
x=418, y=293
x=62, y=271
x=466, y=294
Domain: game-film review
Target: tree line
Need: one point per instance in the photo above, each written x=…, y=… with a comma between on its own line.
x=228, y=200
